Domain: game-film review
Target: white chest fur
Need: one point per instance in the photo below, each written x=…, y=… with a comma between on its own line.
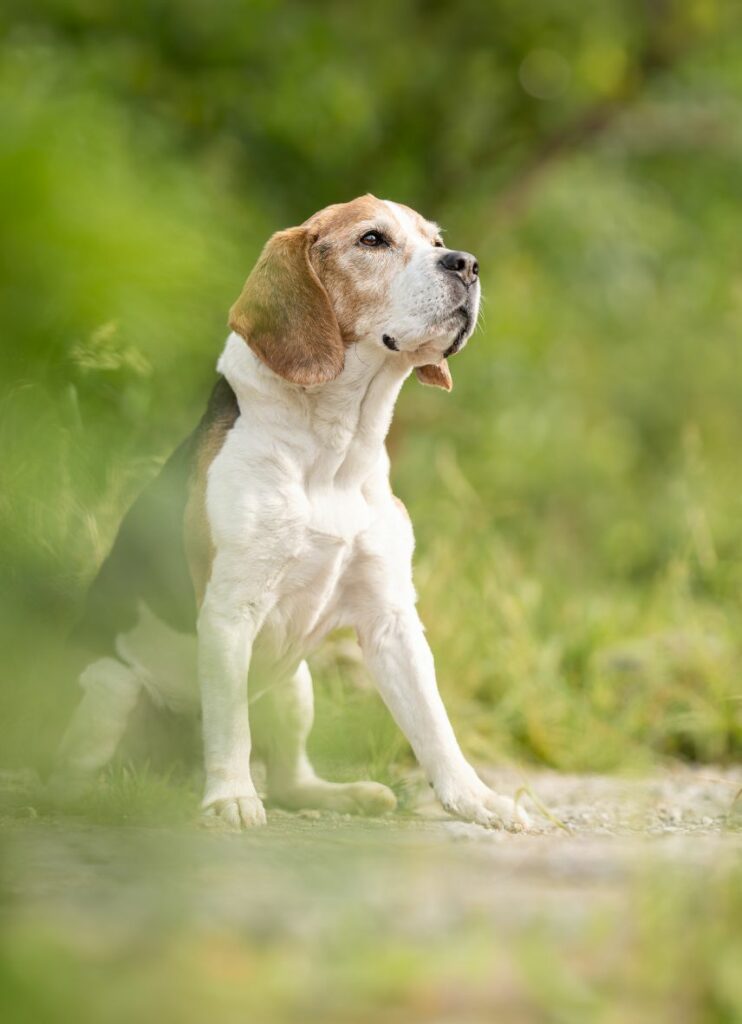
x=297, y=496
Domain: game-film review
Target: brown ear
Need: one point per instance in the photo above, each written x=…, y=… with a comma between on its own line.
x=437, y=375
x=284, y=313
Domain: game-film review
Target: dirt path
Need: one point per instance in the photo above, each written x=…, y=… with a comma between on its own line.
x=628, y=909
x=418, y=872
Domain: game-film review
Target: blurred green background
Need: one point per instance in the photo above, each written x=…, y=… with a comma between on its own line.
x=576, y=499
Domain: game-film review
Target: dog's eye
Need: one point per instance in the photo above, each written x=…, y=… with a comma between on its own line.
x=438, y=243
x=372, y=239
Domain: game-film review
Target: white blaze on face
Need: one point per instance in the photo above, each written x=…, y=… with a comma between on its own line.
x=404, y=220
x=425, y=302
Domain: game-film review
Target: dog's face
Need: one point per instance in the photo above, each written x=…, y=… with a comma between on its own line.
x=389, y=276
x=365, y=270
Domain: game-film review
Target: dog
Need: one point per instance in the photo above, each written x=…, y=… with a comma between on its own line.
x=275, y=523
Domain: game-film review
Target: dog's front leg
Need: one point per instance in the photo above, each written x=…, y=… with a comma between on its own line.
x=226, y=632
x=400, y=659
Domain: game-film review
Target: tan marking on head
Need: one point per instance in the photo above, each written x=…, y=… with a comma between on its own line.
x=218, y=420
x=342, y=267
x=339, y=216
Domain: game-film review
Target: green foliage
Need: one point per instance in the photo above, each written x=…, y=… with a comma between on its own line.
x=576, y=498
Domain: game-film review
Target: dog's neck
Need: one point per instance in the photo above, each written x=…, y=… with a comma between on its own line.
x=349, y=416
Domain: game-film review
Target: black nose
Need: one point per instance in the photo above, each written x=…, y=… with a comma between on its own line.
x=462, y=264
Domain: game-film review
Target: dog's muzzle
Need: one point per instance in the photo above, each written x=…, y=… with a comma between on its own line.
x=464, y=313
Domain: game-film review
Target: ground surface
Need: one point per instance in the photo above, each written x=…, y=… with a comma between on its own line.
x=413, y=917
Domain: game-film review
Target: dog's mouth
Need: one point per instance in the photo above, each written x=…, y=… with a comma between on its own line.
x=463, y=315
x=459, y=322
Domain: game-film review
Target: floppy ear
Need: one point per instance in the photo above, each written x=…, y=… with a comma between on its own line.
x=437, y=375
x=284, y=313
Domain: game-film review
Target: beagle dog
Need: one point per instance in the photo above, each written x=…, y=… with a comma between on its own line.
x=275, y=523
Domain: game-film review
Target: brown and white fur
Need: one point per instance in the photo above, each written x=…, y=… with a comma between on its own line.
x=275, y=523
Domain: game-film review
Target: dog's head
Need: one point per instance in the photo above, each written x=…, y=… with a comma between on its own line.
x=364, y=270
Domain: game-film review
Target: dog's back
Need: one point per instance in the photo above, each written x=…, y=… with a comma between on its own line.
x=148, y=563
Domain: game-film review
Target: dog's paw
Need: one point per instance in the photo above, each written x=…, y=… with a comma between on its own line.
x=370, y=798
x=236, y=812
x=480, y=805
x=233, y=802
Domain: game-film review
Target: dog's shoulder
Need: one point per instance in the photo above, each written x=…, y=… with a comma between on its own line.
x=161, y=555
